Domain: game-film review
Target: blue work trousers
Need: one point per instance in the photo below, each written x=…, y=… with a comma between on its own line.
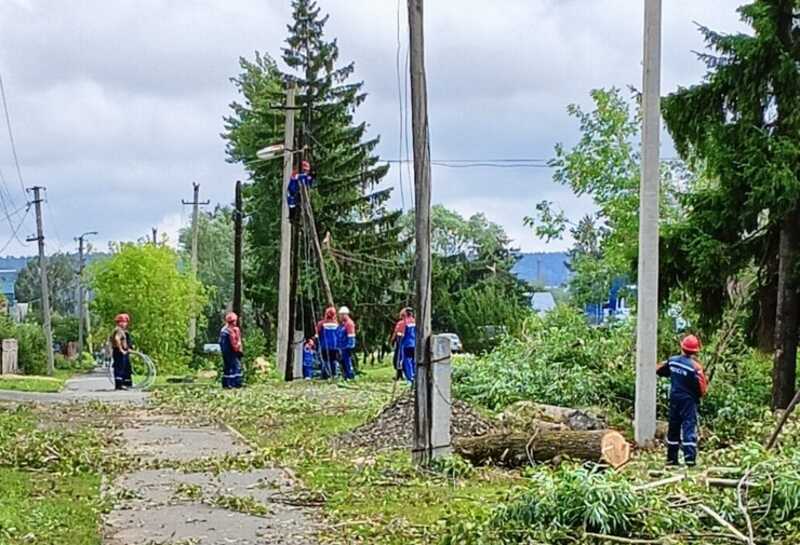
x=409, y=364
x=347, y=364
x=682, y=431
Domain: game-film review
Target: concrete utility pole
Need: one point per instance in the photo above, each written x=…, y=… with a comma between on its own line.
x=81, y=292
x=48, y=333
x=285, y=303
x=647, y=308
x=237, y=251
x=155, y=236
x=195, y=234
x=431, y=411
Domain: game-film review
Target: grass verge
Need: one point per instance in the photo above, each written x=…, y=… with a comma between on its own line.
x=36, y=383
x=50, y=496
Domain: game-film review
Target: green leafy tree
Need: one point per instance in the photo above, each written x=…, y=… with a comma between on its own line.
x=742, y=124
x=145, y=282
x=363, y=243
x=474, y=293
x=604, y=165
x=214, y=264
x=62, y=280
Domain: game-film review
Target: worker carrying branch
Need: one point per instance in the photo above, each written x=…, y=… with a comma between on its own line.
x=688, y=385
x=293, y=191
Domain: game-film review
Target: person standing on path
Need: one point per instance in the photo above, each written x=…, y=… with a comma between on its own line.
x=688, y=385
x=230, y=344
x=328, y=334
x=120, y=352
x=347, y=342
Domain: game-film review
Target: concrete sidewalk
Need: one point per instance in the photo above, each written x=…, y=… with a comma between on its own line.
x=93, y=386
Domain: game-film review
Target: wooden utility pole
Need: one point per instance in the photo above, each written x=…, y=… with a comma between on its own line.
x=81, y=291
x=285, y=299
x=237, y=251
x=155, y=236
x=647, y=308
x=422, y=452
x=48, y=333
x=195, y=236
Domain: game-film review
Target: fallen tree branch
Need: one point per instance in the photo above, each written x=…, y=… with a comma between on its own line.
x=724, y=523
x=659, y=483
x=786, y=414
x=618, y=539
x=743, y=508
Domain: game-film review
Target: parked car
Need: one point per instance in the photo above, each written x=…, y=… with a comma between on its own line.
x=211, y=348
x=455, y=342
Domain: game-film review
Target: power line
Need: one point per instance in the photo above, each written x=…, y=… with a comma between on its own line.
x=11, y=134
x=400, y=104
x=15, y=230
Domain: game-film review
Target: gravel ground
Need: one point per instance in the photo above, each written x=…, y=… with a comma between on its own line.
x=392, y=428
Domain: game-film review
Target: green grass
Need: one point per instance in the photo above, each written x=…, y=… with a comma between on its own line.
x=380, y=499
x=36, y=383
x=48, y=509
x=46, y=499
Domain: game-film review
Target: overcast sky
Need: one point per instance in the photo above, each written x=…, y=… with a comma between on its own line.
x=117, y=105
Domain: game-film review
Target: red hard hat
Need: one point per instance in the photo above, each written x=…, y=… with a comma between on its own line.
x=691, y=344
x=305, y=165
x=122, y=318
x=231, y=318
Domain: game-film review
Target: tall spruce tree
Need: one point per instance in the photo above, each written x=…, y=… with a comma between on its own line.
x=742, y=125
x=362, y=237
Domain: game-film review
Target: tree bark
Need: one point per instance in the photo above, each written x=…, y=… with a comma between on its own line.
x=784, y=370
x=520, y=449
x=767, y=299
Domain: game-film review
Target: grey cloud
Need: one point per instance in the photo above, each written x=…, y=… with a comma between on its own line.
x=118, y=106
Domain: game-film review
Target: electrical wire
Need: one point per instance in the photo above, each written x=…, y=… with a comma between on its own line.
x=11, y=134
x=15, y=230
x=400, y=104
x=51, y=214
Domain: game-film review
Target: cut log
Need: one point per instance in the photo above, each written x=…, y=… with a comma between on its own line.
x=511, y=449
x=524, y=414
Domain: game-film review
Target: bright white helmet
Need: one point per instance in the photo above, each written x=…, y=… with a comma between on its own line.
x=344, y=310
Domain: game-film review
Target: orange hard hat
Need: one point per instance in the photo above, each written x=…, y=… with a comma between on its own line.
x=122, y=318
x=691, y=344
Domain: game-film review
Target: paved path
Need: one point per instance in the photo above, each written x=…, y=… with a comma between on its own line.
x=164, y=502
x=192, y=483
x=93, y=386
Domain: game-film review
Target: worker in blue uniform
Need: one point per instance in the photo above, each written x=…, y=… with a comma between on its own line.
x=405, y=335
x=347, y=342
x=122, y=345
x=230, y=344
x=328, y=335
x=688, y=384
x=293, y=190
x=309, y=354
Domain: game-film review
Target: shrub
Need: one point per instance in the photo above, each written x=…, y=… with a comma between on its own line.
x=31, y=346
x=145, y=282
x=559, y=359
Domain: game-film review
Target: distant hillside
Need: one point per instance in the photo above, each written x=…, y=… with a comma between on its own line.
x=13, y=263
x=548, y=268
